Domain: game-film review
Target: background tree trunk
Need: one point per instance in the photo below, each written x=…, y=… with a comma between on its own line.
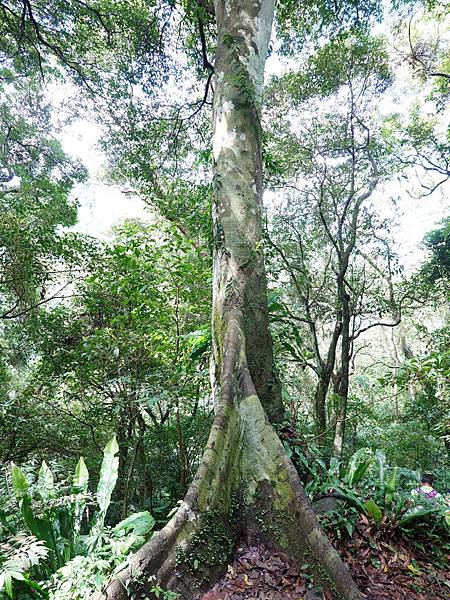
x=325, y=373
x=344, y=372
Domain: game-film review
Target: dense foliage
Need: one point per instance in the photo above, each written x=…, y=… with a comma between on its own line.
x=105, y=343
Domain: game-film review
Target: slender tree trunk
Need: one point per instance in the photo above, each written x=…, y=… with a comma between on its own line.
x=145, y=488
x=246, y=486
x=344, y=373
x=339, y=431
x=239, y=273
x=182, y=454
x=325, y=374
x=124, y=439
x=320, y=397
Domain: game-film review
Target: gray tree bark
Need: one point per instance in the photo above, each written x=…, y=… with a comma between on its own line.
x=344, y=371
x=244, y=30
x=246, y=486
x=325, y=372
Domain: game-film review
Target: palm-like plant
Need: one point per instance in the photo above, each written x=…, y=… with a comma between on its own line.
x=382, y=501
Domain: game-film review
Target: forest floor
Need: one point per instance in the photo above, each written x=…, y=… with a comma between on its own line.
x=388, y=567
x=259, y=573
x=382, y=571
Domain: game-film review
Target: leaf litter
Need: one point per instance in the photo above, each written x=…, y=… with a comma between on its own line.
x=384, y=571
x=391, y=568
x=259, y=573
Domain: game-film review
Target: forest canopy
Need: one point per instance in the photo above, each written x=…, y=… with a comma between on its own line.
x=248, y=375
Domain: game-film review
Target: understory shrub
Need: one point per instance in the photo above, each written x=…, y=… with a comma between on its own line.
x=68, y=551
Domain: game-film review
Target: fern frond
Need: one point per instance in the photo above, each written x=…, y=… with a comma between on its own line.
x=17, y=556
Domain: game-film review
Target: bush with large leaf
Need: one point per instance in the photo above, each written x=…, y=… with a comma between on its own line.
x=379, y=485
x=84, y=576
x=55, y=515
x=368, y=486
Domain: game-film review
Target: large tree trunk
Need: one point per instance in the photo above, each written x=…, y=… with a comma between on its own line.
x=239, y=274
x=246, y=486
